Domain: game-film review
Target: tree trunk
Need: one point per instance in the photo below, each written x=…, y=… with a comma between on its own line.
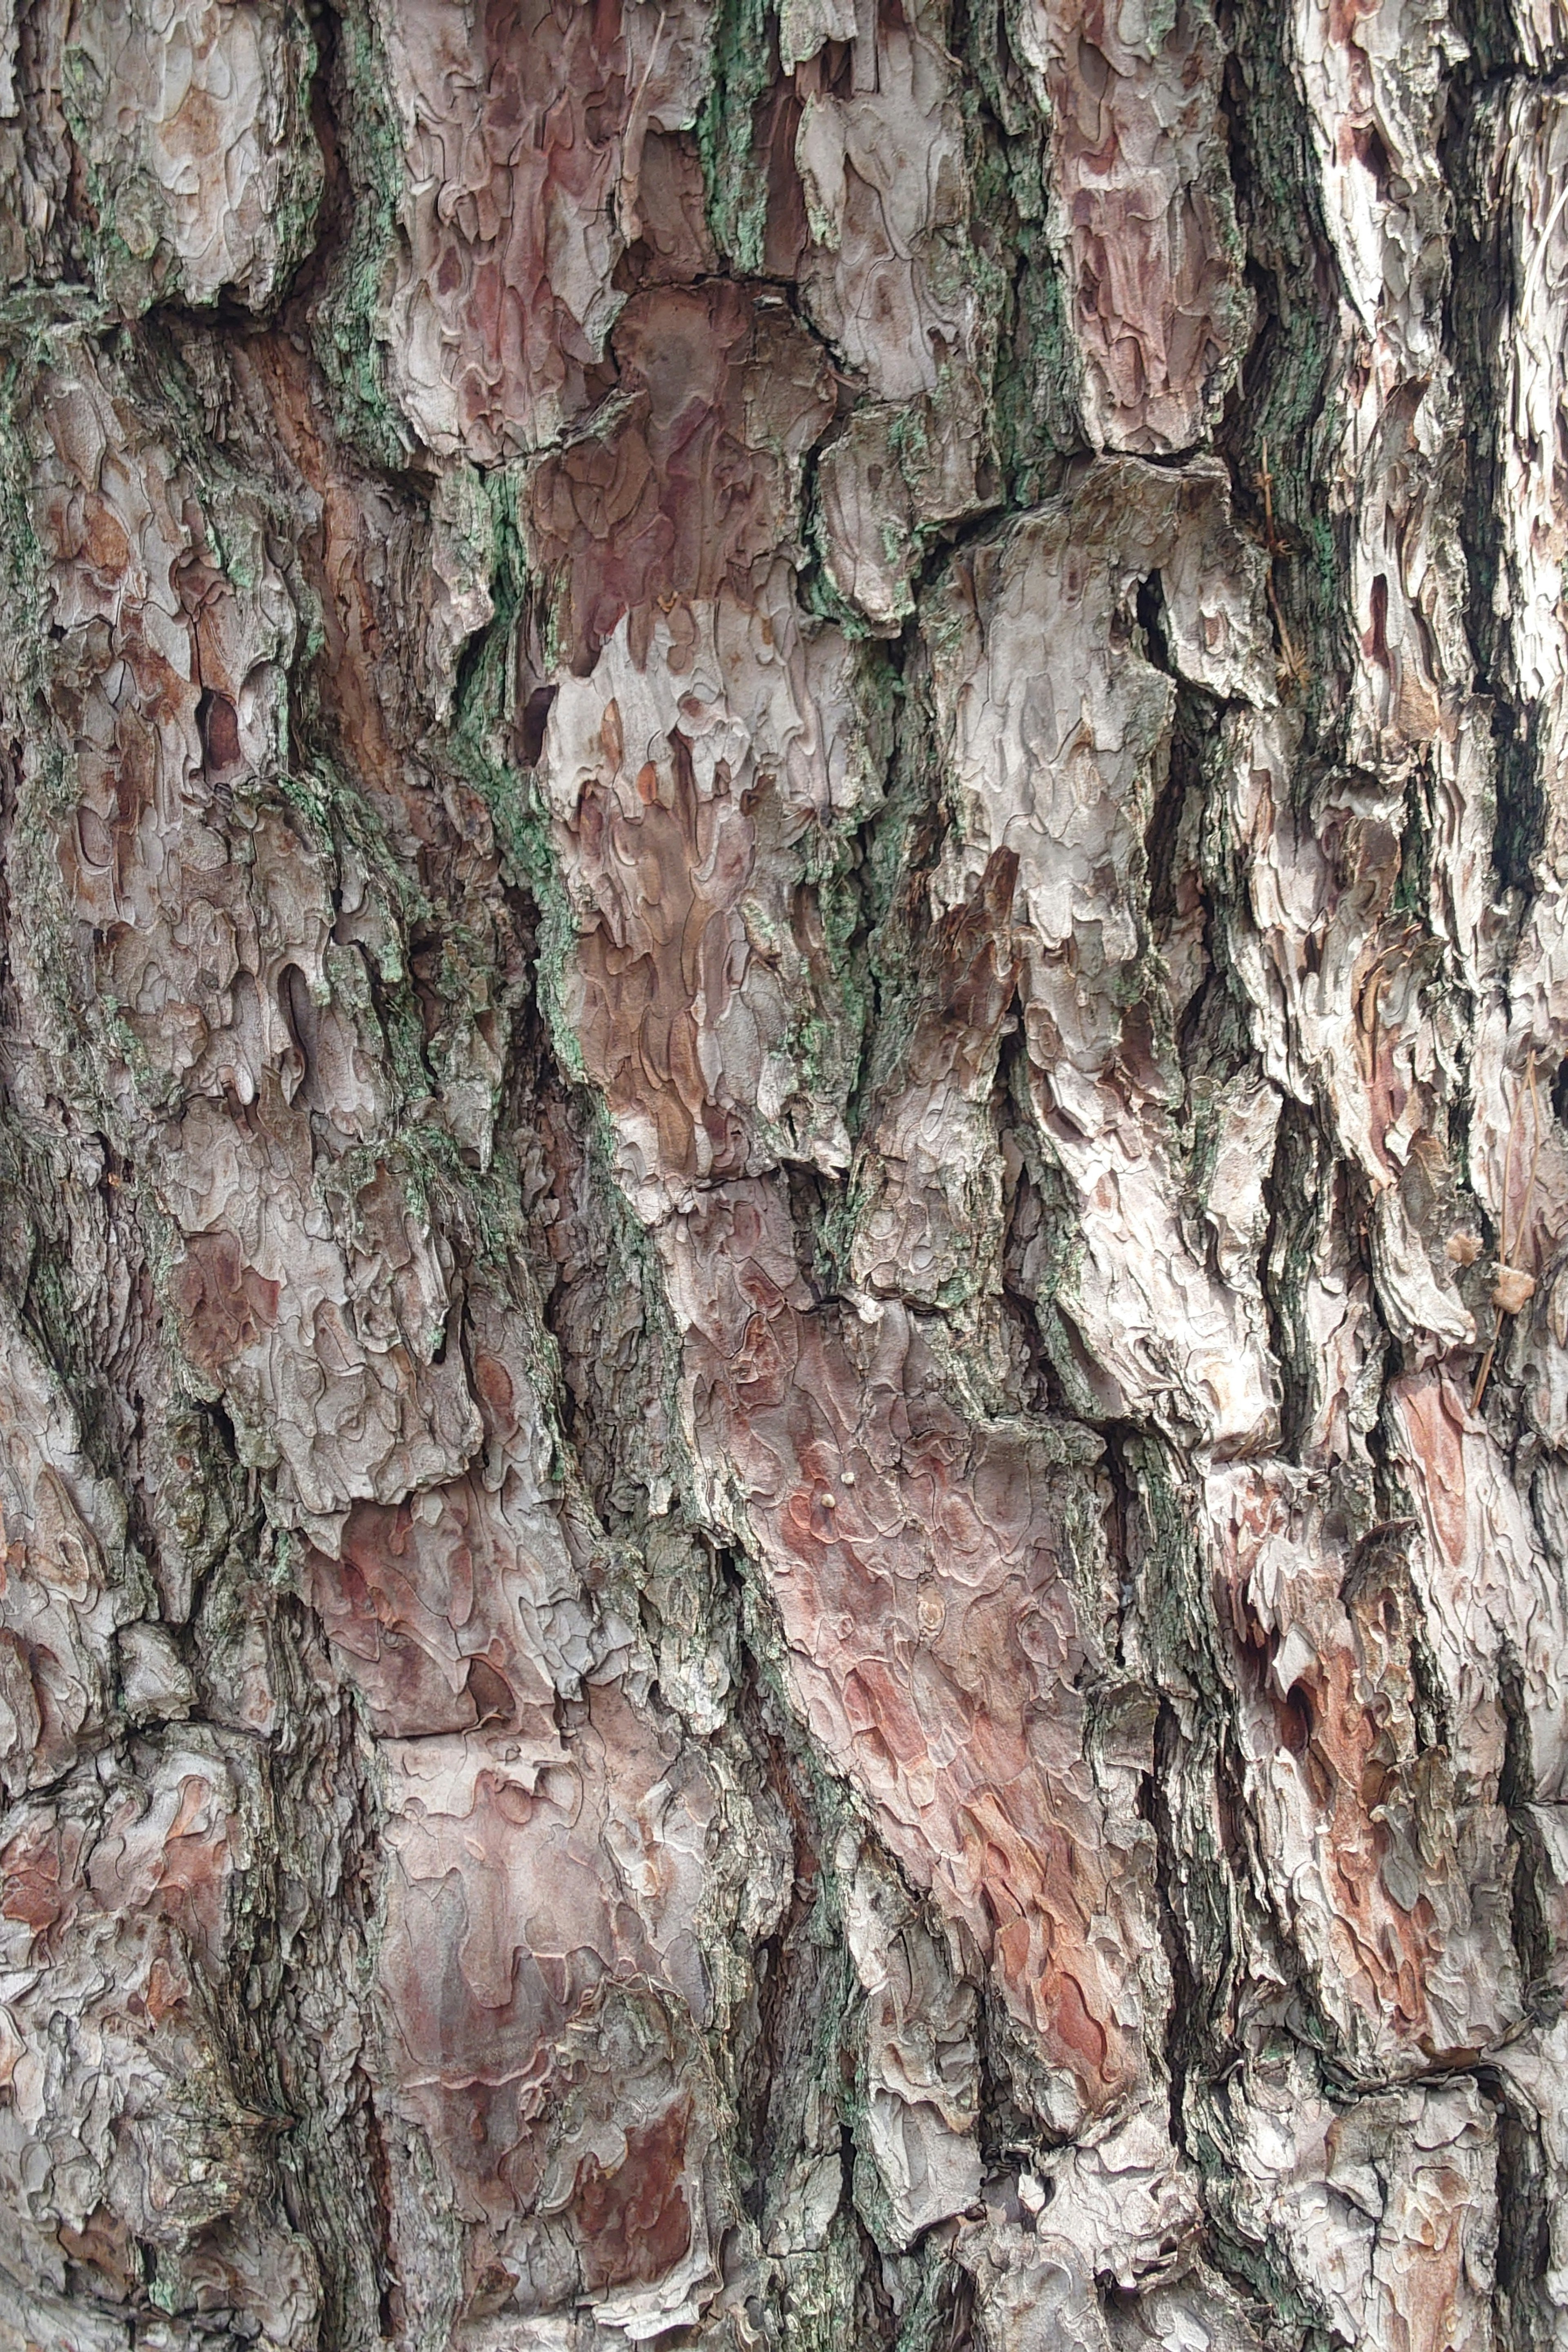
x=784, y=1261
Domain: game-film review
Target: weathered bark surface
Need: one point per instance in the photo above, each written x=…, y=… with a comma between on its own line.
x=783, y=1284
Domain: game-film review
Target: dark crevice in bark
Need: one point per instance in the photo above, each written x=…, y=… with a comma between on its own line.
x=1023, y=1215
x=1532, y=1938
x=953, y=2315
x=1277, y=433
x=1480, y=259
x=1038, y=416
x=1523, y=2308
x=1385, y=1547
x=1481, y=291
x=336, y=2163
x=1011, y=2134
x=1306, y=1194
x=1208, y=1916
x=1183, y=2037
x=895, y=852
x=1037, y=1248
x=800, y=2086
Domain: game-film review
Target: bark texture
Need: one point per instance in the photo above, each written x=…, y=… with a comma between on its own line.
x=783, y=1175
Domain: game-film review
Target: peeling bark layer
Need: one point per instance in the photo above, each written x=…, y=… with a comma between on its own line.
x=784, y=1273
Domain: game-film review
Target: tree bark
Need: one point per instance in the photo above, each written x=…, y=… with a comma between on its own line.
x=784, y=1284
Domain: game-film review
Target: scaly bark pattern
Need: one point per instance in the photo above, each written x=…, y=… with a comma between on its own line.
x=784, y=1104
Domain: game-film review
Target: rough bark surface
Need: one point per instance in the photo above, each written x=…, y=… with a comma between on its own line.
x=783, y=1175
